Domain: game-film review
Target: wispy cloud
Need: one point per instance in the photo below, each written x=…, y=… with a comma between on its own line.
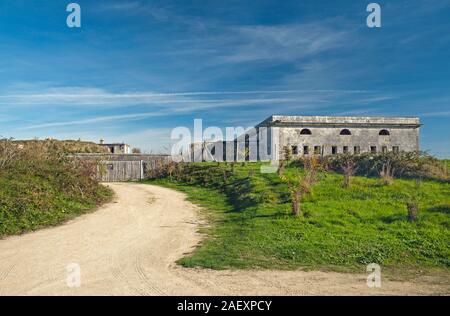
x=69, y=96
x=99, y=119
x=284, y=42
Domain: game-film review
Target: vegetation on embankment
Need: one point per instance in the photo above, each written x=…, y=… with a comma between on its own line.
x=340, y=227
x=66, y=146
x=41, y=186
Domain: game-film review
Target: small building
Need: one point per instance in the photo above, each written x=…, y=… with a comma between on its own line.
x=116, y=148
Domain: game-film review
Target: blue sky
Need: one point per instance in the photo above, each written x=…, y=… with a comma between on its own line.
x=136, y=69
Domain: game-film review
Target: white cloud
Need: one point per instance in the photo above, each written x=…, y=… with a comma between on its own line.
x=284, y=42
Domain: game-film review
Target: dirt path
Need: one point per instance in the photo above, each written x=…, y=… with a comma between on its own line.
x=129, y=248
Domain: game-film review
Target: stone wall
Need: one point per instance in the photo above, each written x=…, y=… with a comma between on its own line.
x=404, y=139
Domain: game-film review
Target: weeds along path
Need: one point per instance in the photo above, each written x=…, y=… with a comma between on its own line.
x=129, y=247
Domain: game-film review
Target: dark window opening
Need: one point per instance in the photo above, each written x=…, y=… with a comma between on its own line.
x=395, y=149
x=305, y=131
x=317, y=150
x=112, y=150
x=224, y=152
x=334, y=150
x=384, y=132
x=306, y=150
x=247, y=148
x=373, y=149
x=345, y=132
x=345, y=150
x=213, y=150
x=356, y=149
x=295, y=150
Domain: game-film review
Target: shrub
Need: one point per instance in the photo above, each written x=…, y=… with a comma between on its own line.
x=394, y=165
x=387, y=173
x=413, y=210
x=412, y=205
x=349, y=169
x=301, y=184
x=287, y=153
x=41, y=185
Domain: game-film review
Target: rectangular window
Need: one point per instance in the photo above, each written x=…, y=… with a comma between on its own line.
x=334, y=150
x=384, y=149
x=295, y=150
x=306, y=150
x=345, y=150
x=317, y=150
x=395, y=149
x=357, y=150
x=373, y=149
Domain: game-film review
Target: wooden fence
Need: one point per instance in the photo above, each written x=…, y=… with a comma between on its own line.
x=112, y=171
x=121, y=167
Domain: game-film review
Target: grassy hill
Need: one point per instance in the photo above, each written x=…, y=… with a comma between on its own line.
x=339, y=228
x=67, y=146
x=40, y=186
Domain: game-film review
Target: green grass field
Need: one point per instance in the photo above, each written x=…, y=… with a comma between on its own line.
x=341, y=229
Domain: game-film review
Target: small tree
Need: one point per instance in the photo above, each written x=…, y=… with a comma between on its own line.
x=387, y=173
x=287, y=153
x=281, y=168
x=349, y=169
x=302, y=184
x=412, y=205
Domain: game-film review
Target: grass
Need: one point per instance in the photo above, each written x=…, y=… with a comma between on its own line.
x=341, y=228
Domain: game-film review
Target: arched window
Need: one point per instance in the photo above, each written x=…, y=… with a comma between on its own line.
x=384, y=132
x=305, y=131
x=345, y=132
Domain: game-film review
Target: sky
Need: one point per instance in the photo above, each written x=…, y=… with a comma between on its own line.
x=136, y=69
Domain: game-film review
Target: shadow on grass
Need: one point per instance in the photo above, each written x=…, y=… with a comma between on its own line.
x=443, y=208
x=393, y=218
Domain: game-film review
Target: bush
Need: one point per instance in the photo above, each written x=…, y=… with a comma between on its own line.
x=413, y=210
x=414, y=165
x=41, y=185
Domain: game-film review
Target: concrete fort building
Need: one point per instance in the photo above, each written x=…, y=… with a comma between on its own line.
x=318, y=135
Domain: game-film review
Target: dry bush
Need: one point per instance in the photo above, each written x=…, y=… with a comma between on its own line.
x=287, y=153
x=413, y=210
x=302, y=183
x=386, y=173
x=349, y=169
x=281, y=168
x=412, y=204
x=8, y=152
